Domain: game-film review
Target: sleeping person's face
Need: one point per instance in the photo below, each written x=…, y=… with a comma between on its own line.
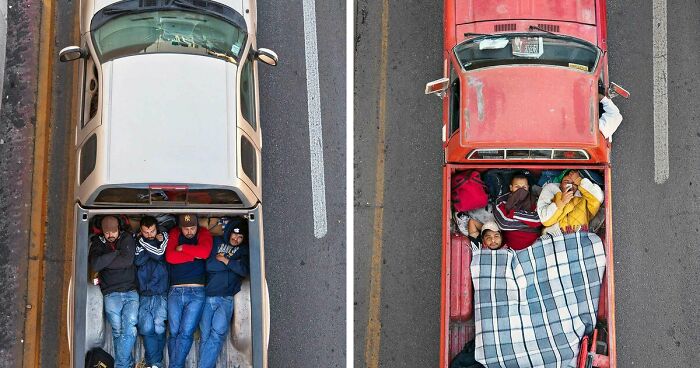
x=492, y=239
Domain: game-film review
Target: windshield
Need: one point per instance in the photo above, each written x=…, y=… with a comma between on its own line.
x=169, y=31
x=481, y=52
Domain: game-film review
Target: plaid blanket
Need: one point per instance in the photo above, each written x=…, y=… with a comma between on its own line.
x=533, y=306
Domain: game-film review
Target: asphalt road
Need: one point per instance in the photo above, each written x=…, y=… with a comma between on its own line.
x=656, y=227
x=306, y=275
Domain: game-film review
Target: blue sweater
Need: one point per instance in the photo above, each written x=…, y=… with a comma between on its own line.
x=225, y=279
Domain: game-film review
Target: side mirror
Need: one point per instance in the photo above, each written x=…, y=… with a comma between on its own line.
x=617, y=90
x=267, y=56
x=438, y=87
x=71, y=53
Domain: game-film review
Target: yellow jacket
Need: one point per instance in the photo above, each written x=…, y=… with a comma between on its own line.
x=575, y=214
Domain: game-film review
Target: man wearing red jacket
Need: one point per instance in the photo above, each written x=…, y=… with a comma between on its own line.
x=188, y=248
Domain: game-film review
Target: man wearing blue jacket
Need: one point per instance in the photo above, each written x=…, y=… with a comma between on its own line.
x=227, y=266
x=152, y=272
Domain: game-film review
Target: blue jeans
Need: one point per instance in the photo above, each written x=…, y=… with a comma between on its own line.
x=214, y=326
x=153, y=311
x=185, y=306
x=122, y=310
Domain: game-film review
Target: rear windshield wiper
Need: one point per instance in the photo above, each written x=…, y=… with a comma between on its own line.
x=540, y=29
x=475, y=34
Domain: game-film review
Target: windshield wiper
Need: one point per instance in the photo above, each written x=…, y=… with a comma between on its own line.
x=187, y=5
x=540, y=29
x=475, y=34
x=221, y=56
x=115, y=11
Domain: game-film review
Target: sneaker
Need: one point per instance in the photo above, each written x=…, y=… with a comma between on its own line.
x=461, y=219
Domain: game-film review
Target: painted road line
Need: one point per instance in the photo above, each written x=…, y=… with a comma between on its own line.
x=35, y=269
x=313, y=91
x=374, y=325
x=660, y=67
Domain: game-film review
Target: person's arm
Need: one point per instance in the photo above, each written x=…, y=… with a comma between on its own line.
x=156, y=252
x=611, y=118
x=473, y=228
x=547, y=208
x=141, y=256
x=593, y=195
x=125, y=253
x=213, y=264
x=203, y=247
x=172, y=256
x=240, y=266
x=529, y=218
x=100, y=257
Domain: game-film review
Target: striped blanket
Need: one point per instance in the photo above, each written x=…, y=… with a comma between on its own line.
x=533, y=306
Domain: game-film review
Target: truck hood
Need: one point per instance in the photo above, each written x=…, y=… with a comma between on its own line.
x=579, y=11
x=170, y=118
x=530, y=106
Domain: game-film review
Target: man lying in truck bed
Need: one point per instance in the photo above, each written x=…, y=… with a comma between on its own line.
x=569, y=205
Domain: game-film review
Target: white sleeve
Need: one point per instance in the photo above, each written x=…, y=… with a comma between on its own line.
x=611, y=118
x=592, y=188
x=545, y=206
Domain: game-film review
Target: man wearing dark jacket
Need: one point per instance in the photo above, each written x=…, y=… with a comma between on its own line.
x=227, y=266
x=188, y=247
x=152, y=272
x=112, y=257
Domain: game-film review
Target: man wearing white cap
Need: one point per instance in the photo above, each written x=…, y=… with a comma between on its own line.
x=487, y=235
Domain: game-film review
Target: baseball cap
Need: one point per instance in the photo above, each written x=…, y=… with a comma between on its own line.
x=188, y=220
x=489, y=225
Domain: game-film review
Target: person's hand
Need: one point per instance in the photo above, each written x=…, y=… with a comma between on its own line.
x=221, y=258
x=576, y=177
x=178, y=248
x=159, y=237
x=567, y=196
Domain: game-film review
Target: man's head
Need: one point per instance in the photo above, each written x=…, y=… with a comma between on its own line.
x=149, y=227
x=491, y=235
x=238, y=230
x=519, y=181
x=188, y=225
x=110, y=228
x=568, y=180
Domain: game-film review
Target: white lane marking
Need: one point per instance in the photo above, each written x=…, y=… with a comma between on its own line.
x=313, y=91
x=660, y=65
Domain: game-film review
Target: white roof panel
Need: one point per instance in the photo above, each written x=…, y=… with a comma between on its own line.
x=171, y=118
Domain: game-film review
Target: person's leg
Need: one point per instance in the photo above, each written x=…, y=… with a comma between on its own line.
x=130, y=316
x=191, y=315
x=113, y=310
x=175, y=307
x=160, y=313
x=114, y=305
x=146, y=327
x=220, y=323
x=205, y=321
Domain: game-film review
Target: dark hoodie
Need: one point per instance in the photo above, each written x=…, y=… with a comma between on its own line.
x=114, y=263
x=225, y=279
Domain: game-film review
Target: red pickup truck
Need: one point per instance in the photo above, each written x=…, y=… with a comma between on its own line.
x=521, y=91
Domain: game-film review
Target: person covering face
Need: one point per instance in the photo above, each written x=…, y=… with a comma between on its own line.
x=569, y=205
